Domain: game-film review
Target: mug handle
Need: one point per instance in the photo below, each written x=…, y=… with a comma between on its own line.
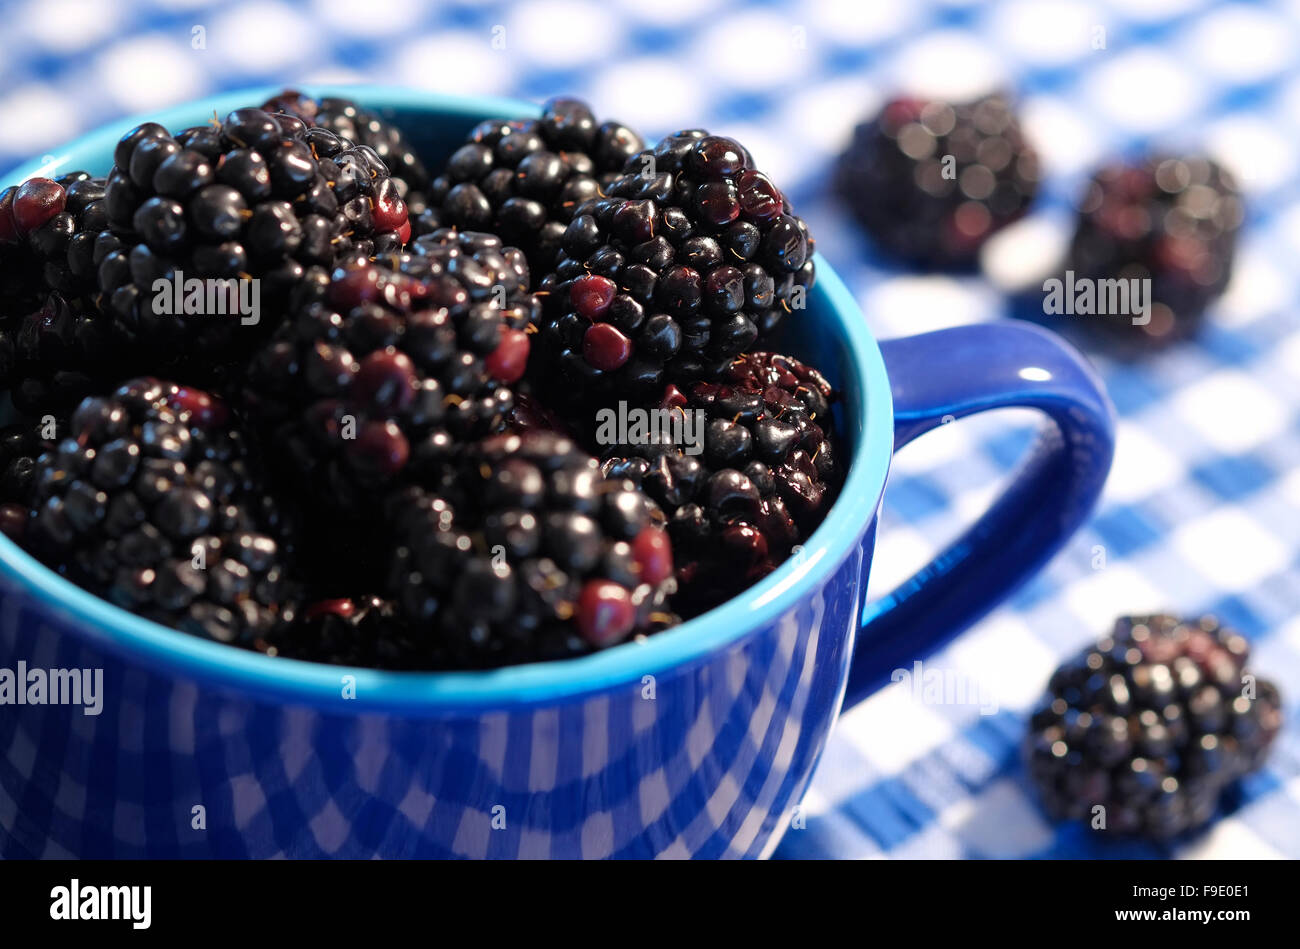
x=952, y=373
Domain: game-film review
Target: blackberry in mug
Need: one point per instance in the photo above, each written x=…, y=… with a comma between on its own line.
x=360, y=126
x=153, y=499
x=524, y=552
x=48, y=229
x=350, y=631
x=56, y=354
x=24, y=210
x=20, y=445
x=51, y=333
x=523, y=179
x=255, y=196
x=764, y=477
x=693, y=255
x=383, y=367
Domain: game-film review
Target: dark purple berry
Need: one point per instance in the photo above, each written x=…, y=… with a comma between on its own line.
x=153, y=500
x=525, y=179
x=525, y=553
x=1135, y=223
x=1150, y=726
x=671, y=234
x=761, y=479
x=931, y=181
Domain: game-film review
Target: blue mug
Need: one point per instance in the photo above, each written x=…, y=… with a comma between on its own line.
x=698, y=742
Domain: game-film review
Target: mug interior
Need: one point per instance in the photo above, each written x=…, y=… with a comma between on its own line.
x=830, y=334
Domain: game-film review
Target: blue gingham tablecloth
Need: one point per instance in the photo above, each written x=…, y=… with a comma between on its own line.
x=1202, y=511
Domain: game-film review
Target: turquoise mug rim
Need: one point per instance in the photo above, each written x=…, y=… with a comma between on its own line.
x=869, y=414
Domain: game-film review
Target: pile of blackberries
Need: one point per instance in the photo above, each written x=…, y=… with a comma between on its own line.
x=393, y=462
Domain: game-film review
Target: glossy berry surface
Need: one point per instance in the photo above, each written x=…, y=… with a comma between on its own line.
x=388, y=464
x=690, y=256
x=1170, y=220
x=524, y=552
x=56, y=353
x=523, y=179
x=258, y=196
x=931, y=181
x=365, y=631
x=54, y=341
x=759, y=479
x=20, y=445
x=360, y=126
x=152, y=499
x=385, y=365
x=1153, y=724
x=48, y=229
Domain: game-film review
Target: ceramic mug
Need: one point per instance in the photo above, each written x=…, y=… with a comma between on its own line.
x=698, y=742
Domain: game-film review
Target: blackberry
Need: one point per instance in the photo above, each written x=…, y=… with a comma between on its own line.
x=482, y=262
x=256, y=196
x=1172, y=221
x=523, y=552
x=1153, y=723
x=381, y=369
x=55, y=355
x=18, y=450
x=47, y=323
x=153, y=501
x=931, y=181
x=24, y=209
x=531, y=413
x=66, y=243
x=47, y=234
x=359, y=125
x=365, y=631
x=693, y=256
x=763, y=476
x=523, y=179
x=20, y=445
